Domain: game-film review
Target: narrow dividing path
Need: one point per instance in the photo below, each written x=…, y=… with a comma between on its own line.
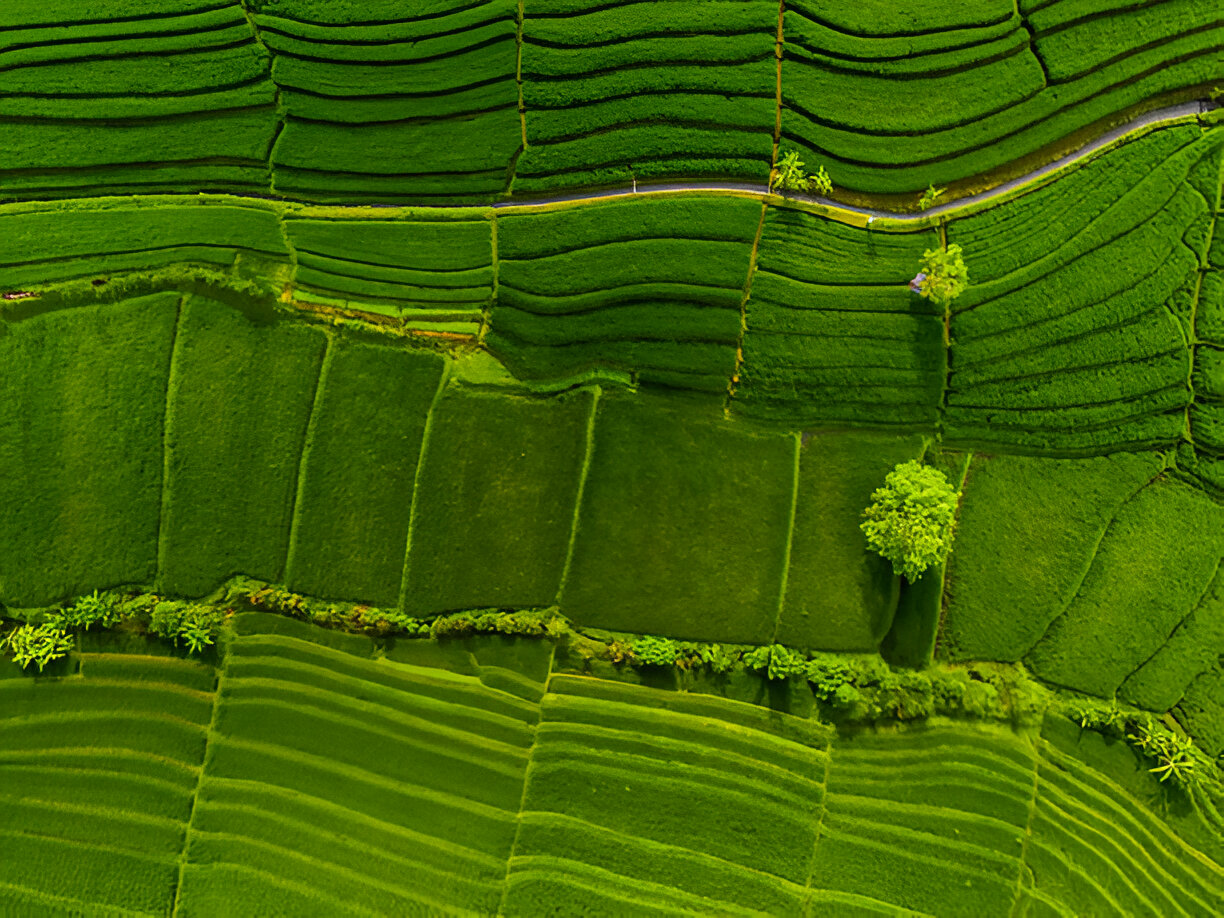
x=1155, y=118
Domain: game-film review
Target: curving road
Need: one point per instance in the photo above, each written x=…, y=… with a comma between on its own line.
x=1153, y=118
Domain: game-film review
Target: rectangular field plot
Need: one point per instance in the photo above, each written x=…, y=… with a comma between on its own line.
x=1027, y=531
x=383, y=106
x=643, y=801
x=1160, y=554
x=343, y=784
x=494, y=503
x=931, y=820
x=646, y=91
x=684, y=524
x=240, y=399
x=833, y=335
x=99, y=771
x=839, y=595
x=355, y=491
x=132, y=97
x=432, y=269
x=650, y=286
x=82, y=400
x=1084, y=345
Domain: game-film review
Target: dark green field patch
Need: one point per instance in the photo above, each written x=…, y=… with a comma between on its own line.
x=81, y=410
x=1027, y=531
x=1159, y=554
x=683, y=524
x=840, y=596
x=240, y=399
x=495, y=501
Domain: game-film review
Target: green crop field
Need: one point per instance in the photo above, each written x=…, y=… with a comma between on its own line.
x=659, y=457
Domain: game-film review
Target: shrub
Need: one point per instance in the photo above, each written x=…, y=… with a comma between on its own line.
x=930, y=196
x=37, y=644
x=778, y=662
x=910, y=520
x=789, y=174
x=943, y=276
x=654, y=651
x=820, y=182
x=101, y=609
x=196, y=626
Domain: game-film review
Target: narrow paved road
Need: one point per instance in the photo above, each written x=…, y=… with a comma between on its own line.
x=1156, y=117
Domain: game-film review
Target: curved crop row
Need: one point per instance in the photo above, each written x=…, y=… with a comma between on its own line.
x=476, y=101
x=311, y=769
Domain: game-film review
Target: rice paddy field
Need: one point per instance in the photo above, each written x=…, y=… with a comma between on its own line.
x=435, y=438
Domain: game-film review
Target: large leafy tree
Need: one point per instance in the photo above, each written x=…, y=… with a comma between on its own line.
x=910, y=521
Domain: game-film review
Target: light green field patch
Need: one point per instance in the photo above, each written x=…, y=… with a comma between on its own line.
x=1155, y=561
x=1028, y=528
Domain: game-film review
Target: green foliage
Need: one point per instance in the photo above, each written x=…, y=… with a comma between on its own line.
x=1175, y=758
x=654, y=651
x=790, y=176
x=820, y=182
x=778, y=661
x=910, y=521
x=197, y=626
x=930, y=196
x=946, y=274
x=37, y=644
x=102, y=609
x=521, y=623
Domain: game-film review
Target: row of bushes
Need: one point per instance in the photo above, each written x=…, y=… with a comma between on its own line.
x=194, y=626
x=848, y=688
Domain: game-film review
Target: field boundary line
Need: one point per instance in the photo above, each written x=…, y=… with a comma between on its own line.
x=304, y=456
x=163, y=506
x=583, y=474
x=443, y=380
x=209, y=732
x=743, y=312
x=1192, y=338
x=790, y=537
x=824, y=808
x=779, y=44
x=1198, y=603
x=487, y=315
x=531, y=750
x=282, y=117
x=1013, y=912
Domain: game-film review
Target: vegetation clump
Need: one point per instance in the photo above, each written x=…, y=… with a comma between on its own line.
x=911, y=520
x=791, y=176
x=930, y=196
x=777, y=661
x=102, y=609
x=654, y=651
x=197, y=626
x=943, y=276
x=39, y=644
x=1175, y=758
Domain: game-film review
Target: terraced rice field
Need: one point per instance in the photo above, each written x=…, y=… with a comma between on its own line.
x=311, y=770
x=493, y=306
x=473, y=101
